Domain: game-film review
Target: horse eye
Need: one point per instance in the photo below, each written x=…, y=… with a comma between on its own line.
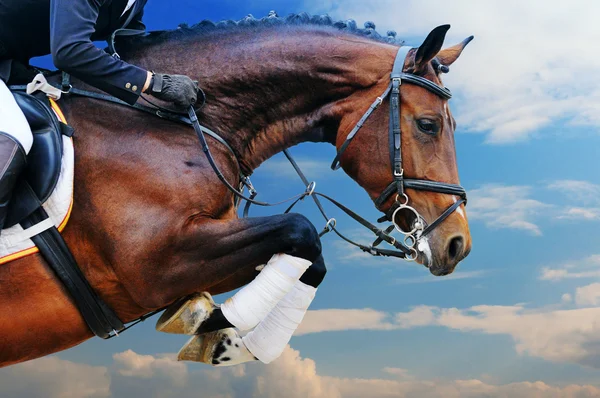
x=428, y=126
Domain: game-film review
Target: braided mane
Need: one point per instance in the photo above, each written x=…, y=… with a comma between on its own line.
x=247, y=23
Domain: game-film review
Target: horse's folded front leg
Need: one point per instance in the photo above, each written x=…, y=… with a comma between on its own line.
x=283, y=290
x=268, y=340
x=245, y=309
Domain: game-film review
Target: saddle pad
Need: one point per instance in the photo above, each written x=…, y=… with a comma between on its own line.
x=13, y=243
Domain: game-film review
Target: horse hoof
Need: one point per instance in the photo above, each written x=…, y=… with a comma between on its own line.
x=221, y=348
x=186, y=315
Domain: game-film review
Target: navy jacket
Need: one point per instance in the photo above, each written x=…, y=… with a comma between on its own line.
x=66, y=29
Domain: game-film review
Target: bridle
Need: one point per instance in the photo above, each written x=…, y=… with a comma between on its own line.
x=399, y=184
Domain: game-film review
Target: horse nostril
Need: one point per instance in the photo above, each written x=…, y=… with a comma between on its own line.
x=455, y=248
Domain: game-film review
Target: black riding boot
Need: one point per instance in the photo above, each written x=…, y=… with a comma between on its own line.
x=12, y=163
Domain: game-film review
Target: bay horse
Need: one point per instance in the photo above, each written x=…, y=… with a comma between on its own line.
x=152, y=223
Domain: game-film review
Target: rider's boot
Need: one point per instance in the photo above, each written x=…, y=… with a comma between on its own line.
x=12, y=163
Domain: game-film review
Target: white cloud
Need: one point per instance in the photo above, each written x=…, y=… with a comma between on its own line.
x=501, y=206
x=52, y=377
x=585, y=268
x=579, y=191
x=522, y=72
x=330, y=320
x=581, y=213
x=398, y=373
x=376, y=388
x=131, y=364
x=582, y=193
x=512, y=206
x=291, y=376
x=558, y=335
x=588, y=295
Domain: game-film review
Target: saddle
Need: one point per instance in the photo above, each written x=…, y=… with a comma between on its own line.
x=44, y=160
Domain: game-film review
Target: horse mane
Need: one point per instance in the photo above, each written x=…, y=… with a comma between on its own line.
x=247, y=23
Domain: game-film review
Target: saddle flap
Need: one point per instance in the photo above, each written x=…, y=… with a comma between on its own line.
x=44, y=160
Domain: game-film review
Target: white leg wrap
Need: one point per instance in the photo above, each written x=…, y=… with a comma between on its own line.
x=253, y=302
x=12, y=120
x=270, y=337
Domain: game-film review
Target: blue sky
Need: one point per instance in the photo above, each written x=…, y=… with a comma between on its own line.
x=519, y=317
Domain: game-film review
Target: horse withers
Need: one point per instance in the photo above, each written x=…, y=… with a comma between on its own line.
x=152, y=223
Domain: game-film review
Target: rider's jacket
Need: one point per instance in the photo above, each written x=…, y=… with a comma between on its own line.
x=66, y=29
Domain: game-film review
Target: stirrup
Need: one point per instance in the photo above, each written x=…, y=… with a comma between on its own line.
x=186, y=315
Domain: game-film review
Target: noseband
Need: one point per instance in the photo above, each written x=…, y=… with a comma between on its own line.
x=399, y=184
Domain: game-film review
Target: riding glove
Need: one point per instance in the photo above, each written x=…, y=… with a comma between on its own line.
x=178, y=89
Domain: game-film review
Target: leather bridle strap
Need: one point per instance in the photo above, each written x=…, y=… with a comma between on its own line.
x=422, y=185
x=399, y=183
x=336, y=161
x=443, y=216
x=395, y=132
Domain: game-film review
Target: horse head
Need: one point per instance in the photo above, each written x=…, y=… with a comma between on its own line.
x=427, y=153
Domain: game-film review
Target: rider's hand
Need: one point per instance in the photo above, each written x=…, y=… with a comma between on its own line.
x=178, y=89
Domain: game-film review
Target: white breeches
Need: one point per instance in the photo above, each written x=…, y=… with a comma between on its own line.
x=12, y=120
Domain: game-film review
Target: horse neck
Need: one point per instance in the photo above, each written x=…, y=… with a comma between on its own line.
x=268, y=91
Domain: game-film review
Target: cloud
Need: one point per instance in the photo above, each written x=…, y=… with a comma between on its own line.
x=585, y=268
x=135, y=375
x=579, y=191
x=560, y=335
x=376, y=388
x=556, y=335
x=52, y=377
x=588, y=295
x=330, y=320
x=508, y=103
x=502, y=206
x=398, y=373
x=582, y=193
x=291, y=376
x=581, y=213
x=131, y=364
x=512, y=206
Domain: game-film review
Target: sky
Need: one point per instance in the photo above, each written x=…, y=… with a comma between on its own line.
x=520, y=317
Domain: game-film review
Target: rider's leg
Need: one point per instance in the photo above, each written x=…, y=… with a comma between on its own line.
x=16, y=140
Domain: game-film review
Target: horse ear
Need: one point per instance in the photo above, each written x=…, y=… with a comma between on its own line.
x=430, y=47
x=448, y=55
